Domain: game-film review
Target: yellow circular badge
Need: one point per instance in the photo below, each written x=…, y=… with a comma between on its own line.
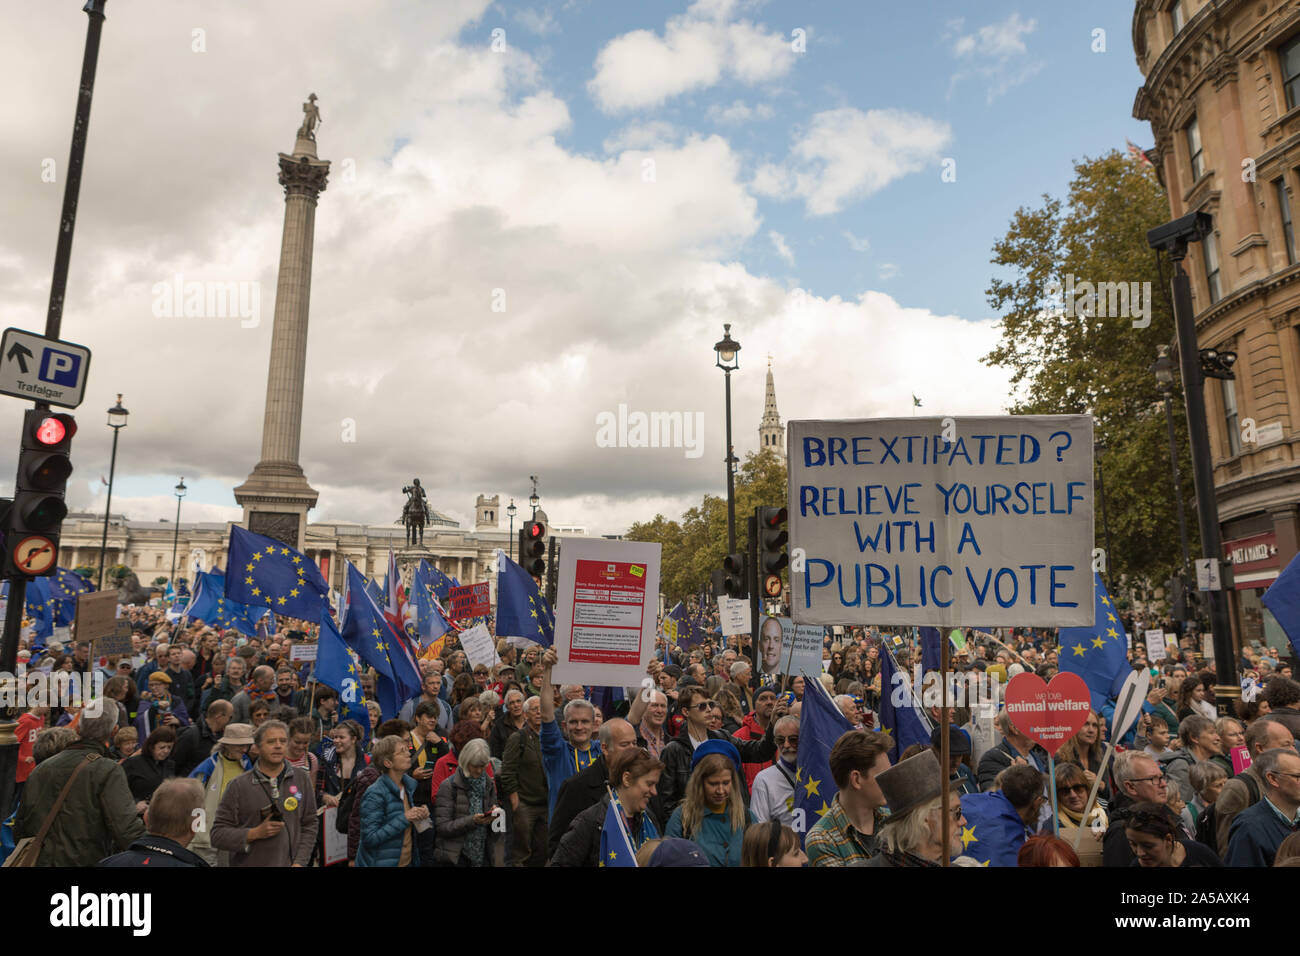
x=291, y=804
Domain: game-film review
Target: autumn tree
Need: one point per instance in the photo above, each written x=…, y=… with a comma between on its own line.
x=1093, y=361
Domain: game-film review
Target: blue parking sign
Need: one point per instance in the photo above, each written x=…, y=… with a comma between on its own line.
x=59, y=368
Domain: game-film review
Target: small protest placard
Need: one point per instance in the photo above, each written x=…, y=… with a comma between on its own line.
x=118, y=642
x=479, y=647
x=733, y=615
x=302, y=652
x=97, y=615
x=470, y=600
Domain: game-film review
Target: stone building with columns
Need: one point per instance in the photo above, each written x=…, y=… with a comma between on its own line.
x=1222, y=95
x=146, y=547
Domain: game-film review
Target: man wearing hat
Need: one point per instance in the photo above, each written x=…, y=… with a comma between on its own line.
x=959, y=746
x=912, y=834
x=160, y=708
x=215, y=773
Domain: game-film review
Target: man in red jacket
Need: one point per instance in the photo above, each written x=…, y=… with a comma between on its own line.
x=754, y=727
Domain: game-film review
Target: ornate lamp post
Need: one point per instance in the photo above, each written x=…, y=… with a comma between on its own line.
x=176, y=535
x=729, y=360
x=116, y=421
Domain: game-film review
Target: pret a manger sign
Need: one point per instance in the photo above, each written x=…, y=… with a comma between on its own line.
x=942, y=521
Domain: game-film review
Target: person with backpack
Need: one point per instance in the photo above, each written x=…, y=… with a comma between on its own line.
x=228, y=761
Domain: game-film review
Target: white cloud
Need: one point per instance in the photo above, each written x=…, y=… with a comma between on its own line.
x=698, y=48
x=646, y=135
x=887, y=271
x=779, y=244
x=541, y=22
x=857, y=244
x=738, y=112
x=846, y=154
x=994, y=54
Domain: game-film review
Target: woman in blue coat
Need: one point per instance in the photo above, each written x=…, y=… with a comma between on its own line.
x=389, y=816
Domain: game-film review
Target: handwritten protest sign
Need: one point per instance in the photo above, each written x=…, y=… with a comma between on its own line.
x=942, y=521
x=96, y=613
x=733, y=615
x=470, y=600
x=479, y=647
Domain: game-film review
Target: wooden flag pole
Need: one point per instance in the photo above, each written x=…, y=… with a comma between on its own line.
x=1051, y=782
x=943, y=754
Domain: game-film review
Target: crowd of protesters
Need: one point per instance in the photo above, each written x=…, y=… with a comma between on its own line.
x=217, y=749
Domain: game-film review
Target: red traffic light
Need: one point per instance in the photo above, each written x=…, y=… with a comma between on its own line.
x=535, y=529
x=775, y=517
x=50, y=431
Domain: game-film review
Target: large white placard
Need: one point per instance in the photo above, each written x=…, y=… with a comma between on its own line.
x=797, y=648
x=479, y=647
x=605, y=611
x=733, y=615
x=942, y=521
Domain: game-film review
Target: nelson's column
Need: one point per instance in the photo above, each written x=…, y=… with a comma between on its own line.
x=276, y=496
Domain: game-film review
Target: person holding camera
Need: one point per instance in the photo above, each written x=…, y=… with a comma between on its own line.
x=267, y=817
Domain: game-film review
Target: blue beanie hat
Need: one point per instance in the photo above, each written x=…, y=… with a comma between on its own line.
x=724, y=747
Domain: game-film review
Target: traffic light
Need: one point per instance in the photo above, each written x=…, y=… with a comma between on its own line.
x=735, y=577
x=772, y=539
x=532, y=548
x=32, y=532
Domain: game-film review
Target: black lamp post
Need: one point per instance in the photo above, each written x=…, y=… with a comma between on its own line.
x=533, y=500
x=729, y=360
x=176, y=535
x=512, y=511
x=116, y=421
x=1163, y=369
x=1174, y=238
x=1100, y=451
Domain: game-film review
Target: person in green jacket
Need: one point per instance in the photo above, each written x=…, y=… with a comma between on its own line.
x=98, y=817
x=713, y=812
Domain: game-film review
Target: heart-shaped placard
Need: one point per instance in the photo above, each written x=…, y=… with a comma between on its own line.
x=1048, y=714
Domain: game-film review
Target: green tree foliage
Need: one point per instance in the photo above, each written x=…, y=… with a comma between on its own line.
x=1089, y=362
x=694, y=546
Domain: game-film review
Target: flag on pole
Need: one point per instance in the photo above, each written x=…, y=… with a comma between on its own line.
x=615, y=842
x=337, y=667
x=521, y=609
x=1098, y=654
x=367, y=632
x=266, y=572
x=1139, y=154
x=821, y=724
x=1283, y=600
x=209, y=605
x=901, y=713
x=431, y=620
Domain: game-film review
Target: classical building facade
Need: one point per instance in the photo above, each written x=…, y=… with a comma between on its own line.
x=146, y=547
x=1222, y=94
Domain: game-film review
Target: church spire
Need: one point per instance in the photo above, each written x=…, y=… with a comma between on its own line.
x=771, y=433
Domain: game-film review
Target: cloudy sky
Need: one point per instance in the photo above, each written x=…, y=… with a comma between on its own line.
x=537, y=211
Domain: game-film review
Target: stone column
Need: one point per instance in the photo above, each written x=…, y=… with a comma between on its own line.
x=276, y=496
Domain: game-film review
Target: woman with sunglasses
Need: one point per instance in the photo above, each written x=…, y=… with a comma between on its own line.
x=1154, y=834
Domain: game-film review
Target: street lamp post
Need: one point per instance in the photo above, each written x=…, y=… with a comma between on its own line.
x=512, y=511
x=116, y=421
x=729, y=360
x=1100, y=448
x=176, y=535
x=533, y=500
x=1174, y=238
x=1164, y=373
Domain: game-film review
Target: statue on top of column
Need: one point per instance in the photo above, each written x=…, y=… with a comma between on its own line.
x=311, y=120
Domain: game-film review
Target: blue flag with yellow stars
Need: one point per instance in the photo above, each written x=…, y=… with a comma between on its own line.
x=821, y=723
x=336, y=667
x=901, y=715
x=65, y=585
x=994, y=832
x=521, y=609
x=1098, y=654
x=265, y=573
x=210, y=605
x=931, y=650
x=430, y=622
x=41, y=607
x=615, y=842
x=366, y=631
x=1283, y=600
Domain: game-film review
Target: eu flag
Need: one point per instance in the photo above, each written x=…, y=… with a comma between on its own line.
x=64, y=588
x=430, y=621
x=821, y=724
x=1098, y=654
x=41, y=608
x=931, y=650
x=265, y=573
x=994, y=832
x=677, y=625
x=1283, y=600
x=366, y=631
x=209, y=605
x=336, y=667
x=615, y=843
x=521, y=609
x=901, y=714
x=441, y=583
